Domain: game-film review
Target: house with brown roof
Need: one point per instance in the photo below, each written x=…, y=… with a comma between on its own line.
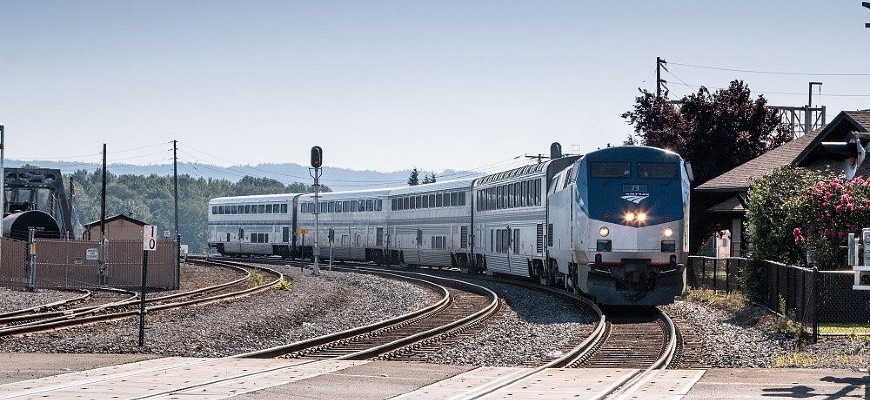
x=117, y=227
x=723, y=198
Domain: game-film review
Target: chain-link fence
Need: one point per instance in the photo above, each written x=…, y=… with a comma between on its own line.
x=63, y=264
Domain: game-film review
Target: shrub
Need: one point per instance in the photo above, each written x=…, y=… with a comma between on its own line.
x=827, y=214
x=770, y=213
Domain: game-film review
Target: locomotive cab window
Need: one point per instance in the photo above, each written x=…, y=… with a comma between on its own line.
x=657, y=170
x=610, y=170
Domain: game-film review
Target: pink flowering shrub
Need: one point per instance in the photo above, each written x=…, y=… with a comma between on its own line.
x=772, y=216
x=826, y=214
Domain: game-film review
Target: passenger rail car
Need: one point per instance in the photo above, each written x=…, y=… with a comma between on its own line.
x=611, y=224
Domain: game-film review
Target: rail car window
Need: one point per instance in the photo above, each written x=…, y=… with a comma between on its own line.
x=268, y=208
x=609, y=170
x=379, y=205
x=657, y=170
x=370, y=205
x=461, y=198
x=261, y=208
x=330, y=207
x=454, y=199
x=536, y=189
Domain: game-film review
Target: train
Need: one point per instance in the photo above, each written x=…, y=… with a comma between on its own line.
x=611, y=224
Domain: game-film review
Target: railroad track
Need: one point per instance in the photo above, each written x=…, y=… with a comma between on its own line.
x=635, y=338
x=18, y=322
x=461, y=306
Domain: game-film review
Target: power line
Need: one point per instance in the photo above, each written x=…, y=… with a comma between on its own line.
x=748, y=71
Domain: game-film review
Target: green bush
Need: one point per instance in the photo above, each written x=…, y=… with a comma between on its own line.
x=771, y=212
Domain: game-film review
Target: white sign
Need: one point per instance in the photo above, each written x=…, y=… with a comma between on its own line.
x=166, y=234
x=149, y=237
x=92, y=254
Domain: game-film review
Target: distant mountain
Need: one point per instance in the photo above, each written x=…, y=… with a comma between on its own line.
x=337, y=179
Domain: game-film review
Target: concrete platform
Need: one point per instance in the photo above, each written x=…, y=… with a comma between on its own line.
x=27, y=376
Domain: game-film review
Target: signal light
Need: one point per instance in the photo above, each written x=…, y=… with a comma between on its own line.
x=669, y=232
x=316, y=157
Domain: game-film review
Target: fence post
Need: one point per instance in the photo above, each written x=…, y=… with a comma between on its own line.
x=727, y=275
x=30, y=267
x=703, y=271
x=816, y=285
x=715, y=273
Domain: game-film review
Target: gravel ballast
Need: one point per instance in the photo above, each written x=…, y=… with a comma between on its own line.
x=534, y=326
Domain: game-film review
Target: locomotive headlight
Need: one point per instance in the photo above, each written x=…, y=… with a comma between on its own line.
x=669, y=232
x=641, y=217
x=629, y=216
x=603, y=231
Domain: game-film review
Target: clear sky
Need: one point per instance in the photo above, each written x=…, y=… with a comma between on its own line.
x=389, y=85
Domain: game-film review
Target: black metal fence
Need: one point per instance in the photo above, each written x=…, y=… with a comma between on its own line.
x=716, y=273
x=806, y=295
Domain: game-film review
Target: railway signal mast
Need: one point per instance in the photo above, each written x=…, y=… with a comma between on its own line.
x=316, y=164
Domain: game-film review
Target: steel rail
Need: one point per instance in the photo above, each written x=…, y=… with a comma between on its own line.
x=278, y=351
x=23, y=313
x=89, y=317
x=489, y=310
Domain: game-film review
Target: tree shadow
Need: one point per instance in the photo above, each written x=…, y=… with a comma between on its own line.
x=851, y=385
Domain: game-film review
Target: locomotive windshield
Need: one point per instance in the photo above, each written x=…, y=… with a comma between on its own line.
x=657, y=170
x=610, y=170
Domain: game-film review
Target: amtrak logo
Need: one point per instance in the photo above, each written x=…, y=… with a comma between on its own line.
x=635, y=198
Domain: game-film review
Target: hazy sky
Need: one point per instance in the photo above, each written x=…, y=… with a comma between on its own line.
x=388, y=85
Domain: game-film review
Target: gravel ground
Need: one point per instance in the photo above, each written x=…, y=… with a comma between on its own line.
x=335, y=301
x=750, y=337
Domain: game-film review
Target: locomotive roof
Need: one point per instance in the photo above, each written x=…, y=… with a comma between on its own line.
x=632, y=153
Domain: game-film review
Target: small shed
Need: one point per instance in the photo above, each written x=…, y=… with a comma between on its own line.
x=118, y=227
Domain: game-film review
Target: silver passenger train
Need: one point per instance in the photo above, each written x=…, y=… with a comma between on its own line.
x=612, y=224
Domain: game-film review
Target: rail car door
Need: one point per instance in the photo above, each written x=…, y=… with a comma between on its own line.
x=419, y=242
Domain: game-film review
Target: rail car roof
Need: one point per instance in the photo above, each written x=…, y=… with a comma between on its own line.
x=513, y=173
x=258, y=198
x=464, y=183
x=351, y=194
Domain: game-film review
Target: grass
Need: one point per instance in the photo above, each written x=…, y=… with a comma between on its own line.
x=284, y=285
x=795, y=360
x=733, y=300
x=257, y=278
x=845, y=329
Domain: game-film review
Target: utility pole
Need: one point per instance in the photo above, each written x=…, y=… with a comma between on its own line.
x=104, y=279
x=2, y=181
x=808, y=122
x=177, y=249
x=660, y=83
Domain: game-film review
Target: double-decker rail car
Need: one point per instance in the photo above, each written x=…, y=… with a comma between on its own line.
x=252, y=225
x=431, y=224
x=351, y=225
x=612, y=224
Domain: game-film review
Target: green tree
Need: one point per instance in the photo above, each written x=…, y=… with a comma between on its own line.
x=414, y=179
x=715, y=132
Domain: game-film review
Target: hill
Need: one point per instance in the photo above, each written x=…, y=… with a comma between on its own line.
x=337, y=179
